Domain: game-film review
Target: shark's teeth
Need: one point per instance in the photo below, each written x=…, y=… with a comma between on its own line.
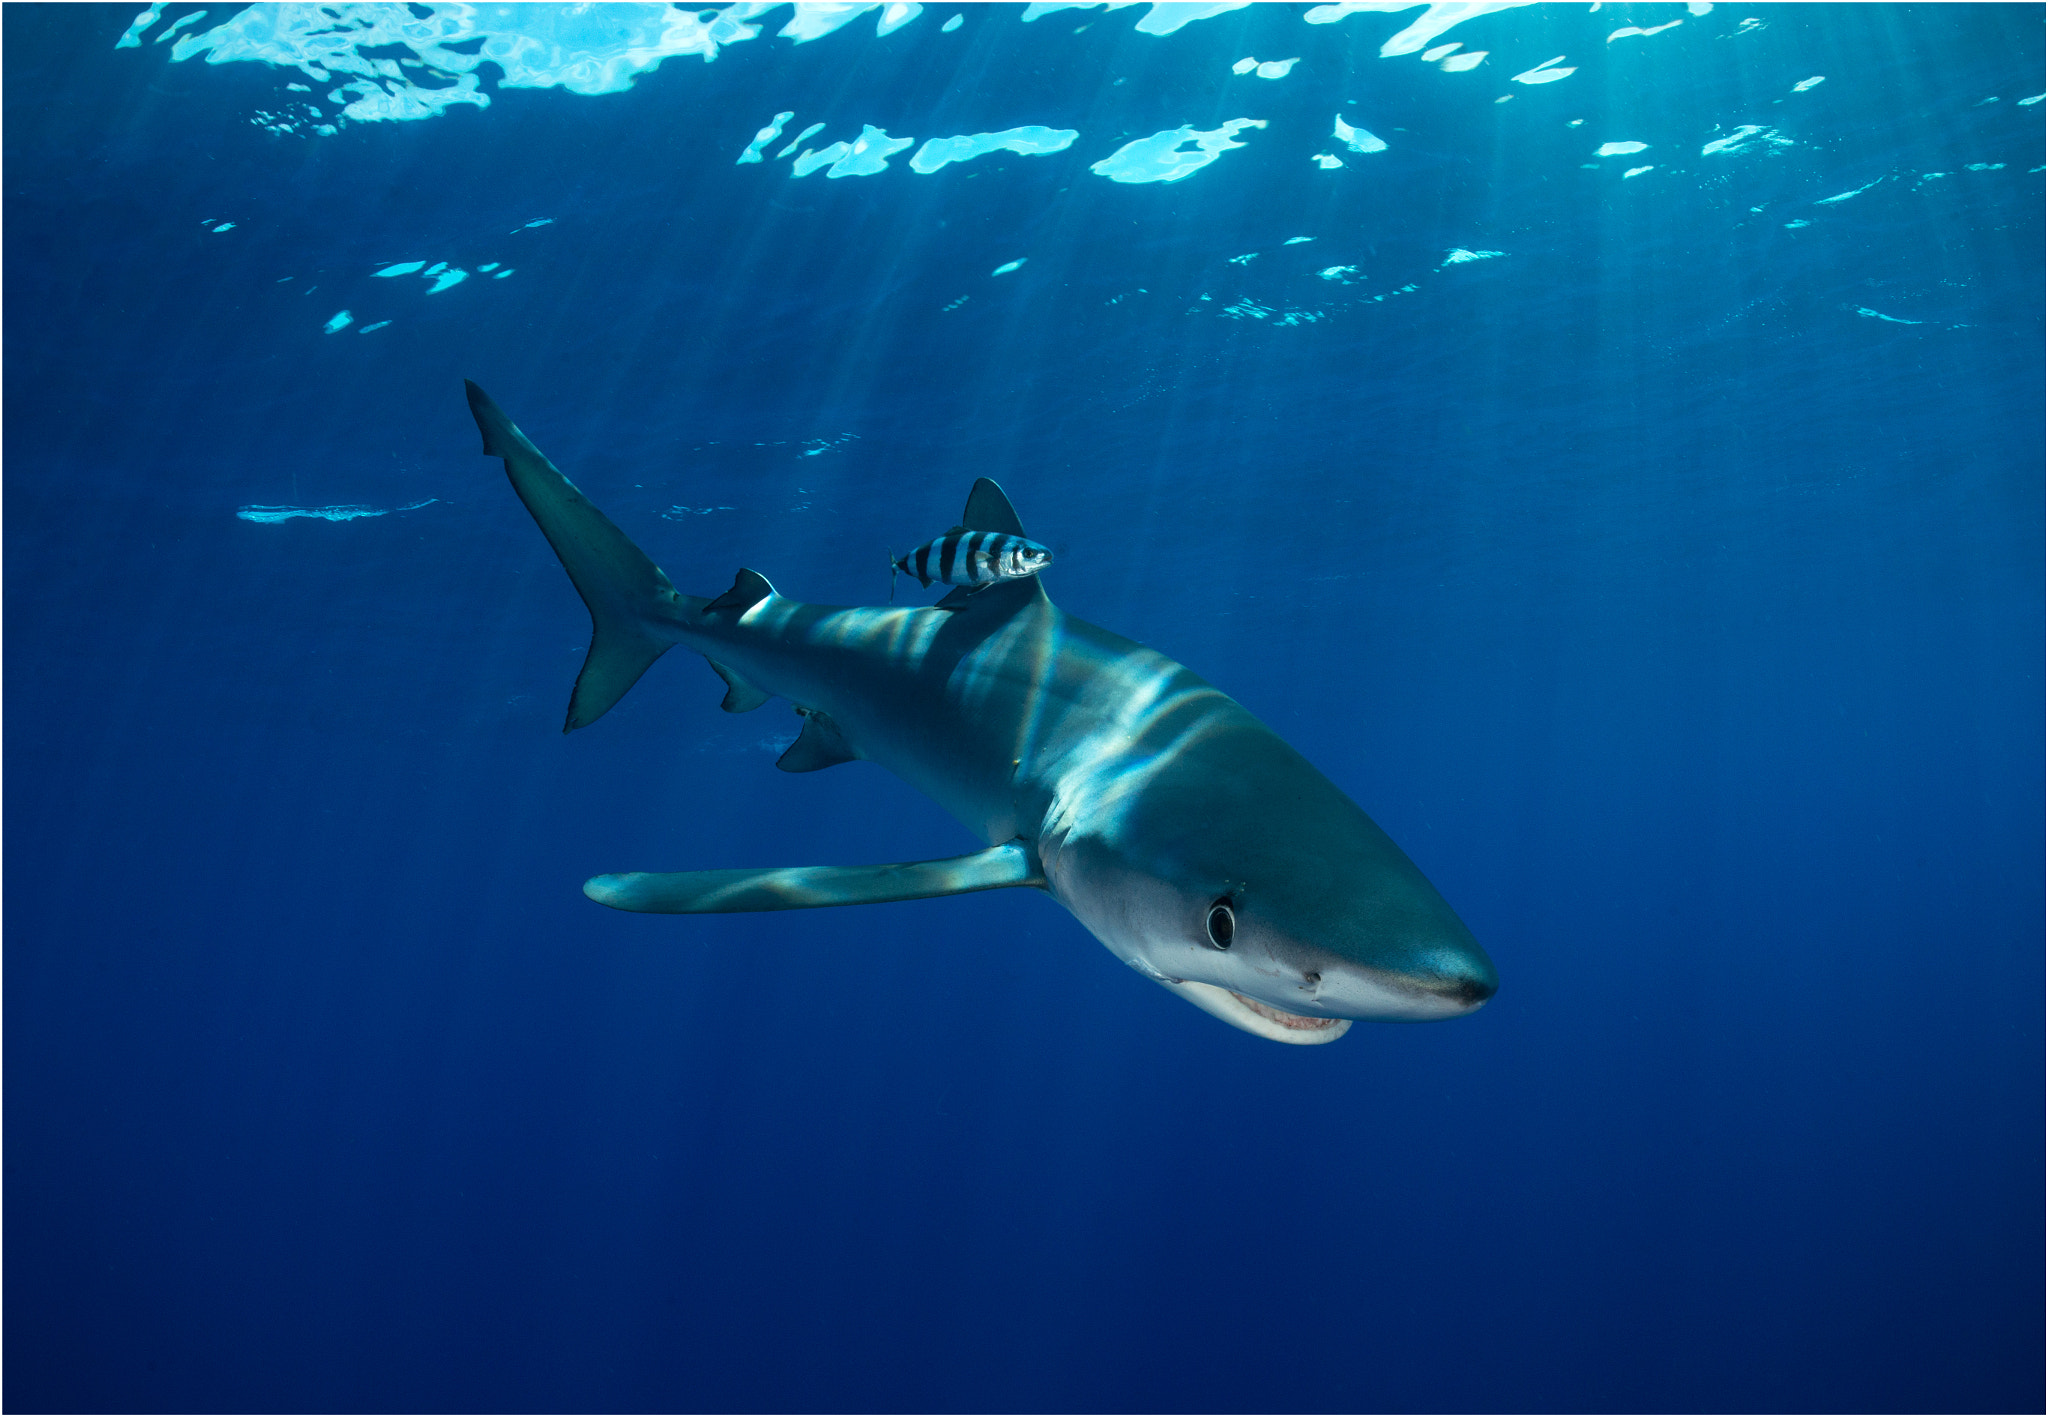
x=1252, y=1016
x=1286, y=1019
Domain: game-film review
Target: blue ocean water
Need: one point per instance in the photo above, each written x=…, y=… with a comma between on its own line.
x=1615, y=461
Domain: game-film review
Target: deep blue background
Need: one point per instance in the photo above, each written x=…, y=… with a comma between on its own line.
x=1681, y=622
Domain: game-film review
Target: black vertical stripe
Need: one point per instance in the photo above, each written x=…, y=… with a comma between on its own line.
x=949, y=552
x=976, y=544
x=924, y=563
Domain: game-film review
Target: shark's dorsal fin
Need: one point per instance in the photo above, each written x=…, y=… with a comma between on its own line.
x=749, y=588
x=1001, y=600
x=989, y=510
x=740, y=696
x=799, y=887
x=820, y=745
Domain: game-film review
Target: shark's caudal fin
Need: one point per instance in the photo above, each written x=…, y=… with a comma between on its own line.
x=628, y=597
x=803, y=887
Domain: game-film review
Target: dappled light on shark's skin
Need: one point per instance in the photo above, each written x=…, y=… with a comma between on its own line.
x=1193, y=843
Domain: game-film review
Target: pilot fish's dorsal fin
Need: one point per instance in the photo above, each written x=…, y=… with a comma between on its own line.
x=989, y=510
x=749, y=588
x=820, y=745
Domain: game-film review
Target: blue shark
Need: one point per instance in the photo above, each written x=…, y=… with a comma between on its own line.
x=1183, y=833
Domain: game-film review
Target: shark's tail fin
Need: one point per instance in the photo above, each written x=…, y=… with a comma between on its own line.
x=631, y=602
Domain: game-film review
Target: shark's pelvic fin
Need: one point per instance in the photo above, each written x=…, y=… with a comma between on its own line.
x=803, y=887
x=820, y=745
x=989, y=510
x=749, y=588
x=740, y=695
x=628, y=597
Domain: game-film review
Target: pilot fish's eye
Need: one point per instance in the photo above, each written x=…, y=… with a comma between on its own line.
x=1222, y=924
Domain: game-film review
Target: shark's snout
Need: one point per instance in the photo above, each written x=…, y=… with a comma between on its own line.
x=1453, y=977
x=1474, y=984
x=1445, y=981
x=1459, y=977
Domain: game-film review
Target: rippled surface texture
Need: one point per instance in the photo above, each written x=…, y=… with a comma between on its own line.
x=1605, y=441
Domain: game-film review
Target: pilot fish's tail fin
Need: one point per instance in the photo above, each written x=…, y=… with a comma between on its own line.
x=630, y=601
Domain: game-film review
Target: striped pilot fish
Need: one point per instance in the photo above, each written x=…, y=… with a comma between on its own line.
x=971, y=558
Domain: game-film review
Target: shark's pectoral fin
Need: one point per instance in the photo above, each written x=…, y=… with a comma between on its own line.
x=740, y=696
x=805, y=887
x=819, y=745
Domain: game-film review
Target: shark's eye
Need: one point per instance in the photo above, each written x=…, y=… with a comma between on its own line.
x=1222, y=924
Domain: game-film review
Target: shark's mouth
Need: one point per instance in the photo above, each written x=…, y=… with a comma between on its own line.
x=1285, y=1019
x=1255, y=1016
